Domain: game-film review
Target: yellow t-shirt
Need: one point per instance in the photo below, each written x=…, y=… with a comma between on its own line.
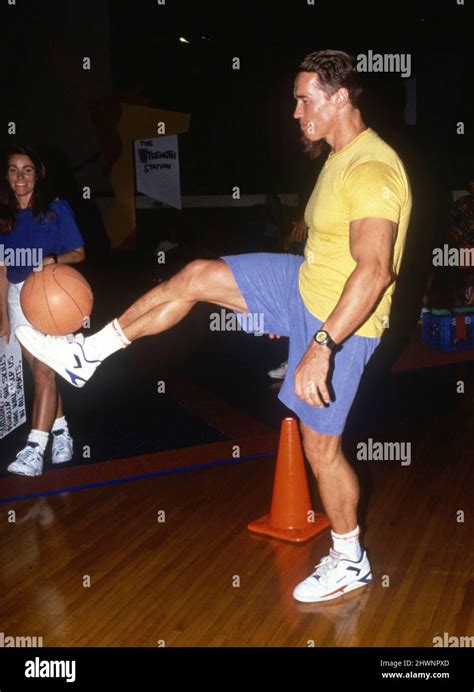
x=366, y=178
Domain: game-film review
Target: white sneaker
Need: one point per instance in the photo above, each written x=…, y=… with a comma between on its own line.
x=64, y=354
x=62, y=447
x=29, y=462
x=334, y=576
x=280, y=372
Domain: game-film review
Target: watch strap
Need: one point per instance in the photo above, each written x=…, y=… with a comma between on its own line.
x=329, y=342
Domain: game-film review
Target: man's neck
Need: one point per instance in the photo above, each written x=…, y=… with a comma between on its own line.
x=346, y=132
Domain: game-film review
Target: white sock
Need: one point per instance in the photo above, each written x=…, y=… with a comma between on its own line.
x=347, y=543
x=40, y=439
x=60, y=424
x=109, y=340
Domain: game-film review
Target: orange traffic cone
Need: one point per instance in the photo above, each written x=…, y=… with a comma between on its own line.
x=291, y=517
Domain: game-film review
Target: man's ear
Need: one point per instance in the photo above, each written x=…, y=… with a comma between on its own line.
x=342, y=97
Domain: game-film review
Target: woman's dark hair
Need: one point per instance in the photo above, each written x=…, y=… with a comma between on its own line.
x=335, y=69
x=40, y=199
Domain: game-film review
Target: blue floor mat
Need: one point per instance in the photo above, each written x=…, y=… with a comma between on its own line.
x=119, y=413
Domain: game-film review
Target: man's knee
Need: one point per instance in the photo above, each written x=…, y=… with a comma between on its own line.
x=196, y=277
x=211, y=281
x=321, y=450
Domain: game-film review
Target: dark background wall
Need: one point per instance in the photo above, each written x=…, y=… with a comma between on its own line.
x=242, y=131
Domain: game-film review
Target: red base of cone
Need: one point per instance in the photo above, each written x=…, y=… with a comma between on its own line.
x=262, y=526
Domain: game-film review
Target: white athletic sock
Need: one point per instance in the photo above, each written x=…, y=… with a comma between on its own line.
x=40, y=438
x=109, y=340
x=60, y=424
x=347, y=543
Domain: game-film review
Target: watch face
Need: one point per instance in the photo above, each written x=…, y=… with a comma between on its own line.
x=321, y=336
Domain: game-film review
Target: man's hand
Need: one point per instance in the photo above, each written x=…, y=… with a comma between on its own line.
x=311, y=376
x=274, y=336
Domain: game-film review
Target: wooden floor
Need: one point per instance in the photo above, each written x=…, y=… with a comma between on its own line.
x=199, y=578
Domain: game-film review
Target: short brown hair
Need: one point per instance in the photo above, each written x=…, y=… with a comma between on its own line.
x=335, y=69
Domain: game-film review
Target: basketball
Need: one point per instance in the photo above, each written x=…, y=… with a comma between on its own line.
x=57, y=299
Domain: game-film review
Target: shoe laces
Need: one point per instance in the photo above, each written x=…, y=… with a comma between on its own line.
x=28, y=455
x=74, y=338
x=67, y=338
x=327, y=565
x=61, y=441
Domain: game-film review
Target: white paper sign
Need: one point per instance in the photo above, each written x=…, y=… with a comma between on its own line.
x=157, y=169
x=12, y=396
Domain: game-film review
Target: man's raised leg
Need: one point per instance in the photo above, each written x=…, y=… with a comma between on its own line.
x=76, y=358
x=210, y=281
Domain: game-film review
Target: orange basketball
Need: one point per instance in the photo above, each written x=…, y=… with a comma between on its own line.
x=57, y=299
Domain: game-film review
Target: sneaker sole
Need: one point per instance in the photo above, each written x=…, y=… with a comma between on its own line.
x=61, y=461
x=28, y=475
x=334, y=595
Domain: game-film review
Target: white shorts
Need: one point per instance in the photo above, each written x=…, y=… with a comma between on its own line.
x=15, y=313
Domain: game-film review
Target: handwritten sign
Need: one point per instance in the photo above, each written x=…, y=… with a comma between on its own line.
x=12, y=397
x=157, y=169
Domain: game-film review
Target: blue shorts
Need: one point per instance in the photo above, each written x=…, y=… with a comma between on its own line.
x=269, y=284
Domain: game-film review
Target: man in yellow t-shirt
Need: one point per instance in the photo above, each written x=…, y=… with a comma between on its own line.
x=364, y=179
x=333, y=304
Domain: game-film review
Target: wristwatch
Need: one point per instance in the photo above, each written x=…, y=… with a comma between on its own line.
x=322, y=338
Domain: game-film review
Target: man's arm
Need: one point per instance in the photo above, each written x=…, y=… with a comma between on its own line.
x=371, y=245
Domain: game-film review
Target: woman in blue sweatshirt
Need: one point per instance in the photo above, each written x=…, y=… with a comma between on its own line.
x=34, y=232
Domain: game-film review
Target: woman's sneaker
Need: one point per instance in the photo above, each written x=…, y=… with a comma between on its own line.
x=62, y=446
x=334, y=576
x=29, y=462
